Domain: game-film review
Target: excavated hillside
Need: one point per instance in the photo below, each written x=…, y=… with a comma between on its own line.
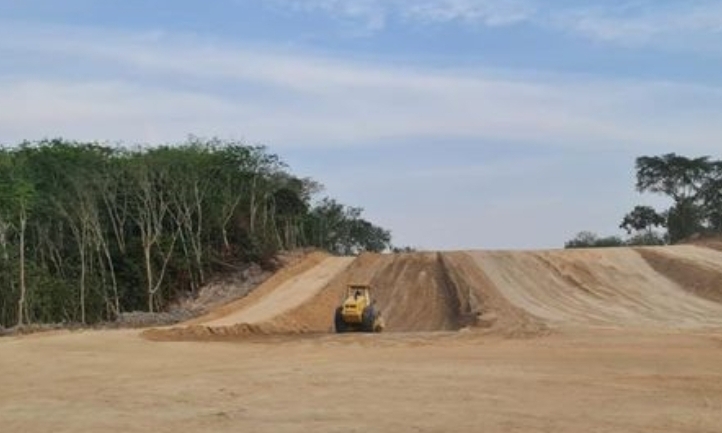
x=509, y=292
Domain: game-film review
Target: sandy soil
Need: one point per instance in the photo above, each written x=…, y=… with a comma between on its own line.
x=697, y=270
x=614, y=340
x=289, y=295
x=602, y=287
x=591, y=381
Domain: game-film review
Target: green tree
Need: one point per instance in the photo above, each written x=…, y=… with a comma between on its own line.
x=17, y=197
x=89, y=231
x=694, y=185
x=642, y=218
x=340, y=229
x=711, y=196
x=676, y=176
x=368, y=237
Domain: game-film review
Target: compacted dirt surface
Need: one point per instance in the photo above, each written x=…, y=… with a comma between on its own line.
x=613, y=340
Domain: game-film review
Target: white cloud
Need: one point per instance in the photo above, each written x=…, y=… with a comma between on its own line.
x=369, y=15
x=694, y=25
x=108, y=111
x=691, y=25
x=150, y=87
x=487, y=12
x=373, y=15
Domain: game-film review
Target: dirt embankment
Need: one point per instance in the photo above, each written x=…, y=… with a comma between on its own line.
x=697, y=270
x=483, y=304
x=603, y=287
x=712, y=242
x=511, y=293
x=228, y=321
x=417, y=292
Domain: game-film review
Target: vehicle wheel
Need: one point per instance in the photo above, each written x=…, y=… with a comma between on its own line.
x=367, y=319
x=338, y=322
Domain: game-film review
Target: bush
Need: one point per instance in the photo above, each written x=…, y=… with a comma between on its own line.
x=587, y=239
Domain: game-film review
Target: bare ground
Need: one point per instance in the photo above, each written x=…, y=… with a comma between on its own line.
x=595, y=381
x=616, y=340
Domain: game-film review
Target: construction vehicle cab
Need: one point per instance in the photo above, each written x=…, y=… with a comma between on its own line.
x=358, y=311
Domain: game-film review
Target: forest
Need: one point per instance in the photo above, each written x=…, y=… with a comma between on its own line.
x=89, y=231
x=694, y=188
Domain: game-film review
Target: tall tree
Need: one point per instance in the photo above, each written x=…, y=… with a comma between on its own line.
x=340, y=229
x=685, y=181
x=150, y=180
x=676, y=176
x=642, y=218
x=88, y=231
x=17, y=194
x=711, y=196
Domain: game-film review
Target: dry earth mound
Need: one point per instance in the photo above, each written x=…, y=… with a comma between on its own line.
x=514, y=293
x=602, y=287
x=417, y=292
x=289, y=288
x=697, y=270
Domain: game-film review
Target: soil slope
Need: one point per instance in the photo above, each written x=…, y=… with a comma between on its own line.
x=602, y=287
x=512, y=292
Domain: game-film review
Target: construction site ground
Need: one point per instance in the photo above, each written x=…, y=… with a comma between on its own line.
x=609, y=340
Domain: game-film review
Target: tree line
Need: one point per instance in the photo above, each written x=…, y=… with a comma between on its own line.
x=89, y=231
x=694, y=186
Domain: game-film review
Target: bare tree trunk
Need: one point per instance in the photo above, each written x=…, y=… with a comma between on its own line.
x=81, y=250
x=198, y=239
x=227, y=215
x=274, y=227
x=252, y=209
x=117, y=217
x=149, y=276
x=4, y=240
x=114, y=281
x=23, y=288
x=166, y=258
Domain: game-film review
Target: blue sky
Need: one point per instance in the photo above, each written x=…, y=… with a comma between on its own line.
x=454, y=123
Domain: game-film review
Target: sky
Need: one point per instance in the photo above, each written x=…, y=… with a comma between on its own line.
x=456, y=124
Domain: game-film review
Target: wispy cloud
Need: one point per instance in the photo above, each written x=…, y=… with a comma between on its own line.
x=647, y=23
x=373, y=15
x=689, y=25
x=487, y=12
x=195, y=86
x=366, y=16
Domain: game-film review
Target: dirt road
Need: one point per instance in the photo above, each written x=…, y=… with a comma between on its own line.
x=617, y=340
